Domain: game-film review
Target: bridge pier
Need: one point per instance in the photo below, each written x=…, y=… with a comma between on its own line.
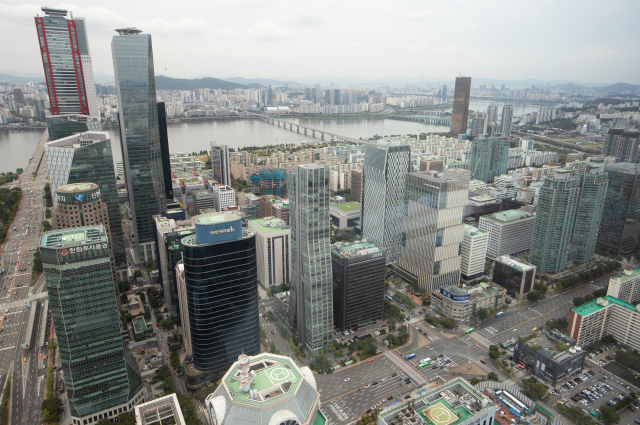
x=313, y=133
x=305, y=131
x=298, y=128
x=278, y=123
x=322, y=136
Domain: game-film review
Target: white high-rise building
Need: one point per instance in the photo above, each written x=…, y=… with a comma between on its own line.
x=273, y=250
x=473, y=252
x=386, y=166
x=223, y=197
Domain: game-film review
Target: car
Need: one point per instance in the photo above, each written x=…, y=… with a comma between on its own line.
x=24, y=360
x=375, y=383
x=43, y=378
x=347, y=380
x=371, y=359
x=367, y=386
x=394, y=375
x=483, y=362
x=40, y=354
x=45, y=356
x=407, y=396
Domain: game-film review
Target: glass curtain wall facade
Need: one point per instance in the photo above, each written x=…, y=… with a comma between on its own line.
x=220, y=163
x=386, y=165
x=164, y=151
x=593, y=188
x=139, y=134
x=60, y=126
x=98, y=374
x=433, y=228
x=505, y=122
x=222, y=300
x=460, y=111
x=554, y=222
x=619, y=231
x=489, y=158
x=311, y=295
x=88, y=158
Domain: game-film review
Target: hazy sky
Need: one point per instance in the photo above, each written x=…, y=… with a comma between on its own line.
x=587, y=40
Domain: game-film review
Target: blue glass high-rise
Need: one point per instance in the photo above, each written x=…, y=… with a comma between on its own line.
x=139, y=135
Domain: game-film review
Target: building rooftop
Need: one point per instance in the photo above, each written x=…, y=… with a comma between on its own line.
x=472, y=230
x=629, y=274
x=269, y=224
x=600, y=303
x=217, y=218
x=74, y=187
x=483, y=198
x=507, y=216
x=348, y=206
x=355, y=249
x=139, y=324
x=72, y=237
x=160, y=411
x=516, y=264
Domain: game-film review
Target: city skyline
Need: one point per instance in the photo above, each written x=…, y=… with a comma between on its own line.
x=282, y=36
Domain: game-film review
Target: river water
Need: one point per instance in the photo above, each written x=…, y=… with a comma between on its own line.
x=17, y=148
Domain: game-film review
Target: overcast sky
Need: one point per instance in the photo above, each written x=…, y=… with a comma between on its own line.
x=588, y=41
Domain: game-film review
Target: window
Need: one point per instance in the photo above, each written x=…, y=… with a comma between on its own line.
x=439, y=234
x=436, y=267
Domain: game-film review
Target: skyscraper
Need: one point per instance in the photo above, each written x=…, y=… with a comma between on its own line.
x=101, y=377
x=87, y=158
x=386, y=165
x=460, y=112
x=620, y=226
x=164, y=151
x=220, y=163
x=489, y=158
x=60, y=126
x=139, y=135
x=433, y=229
x=593, y=188
x=492, y=113
x=505, y=123
x=218, y=293
x=554, y=222
x=64, y=48
x=623, y=144
x=311, y=300
x=479, y=122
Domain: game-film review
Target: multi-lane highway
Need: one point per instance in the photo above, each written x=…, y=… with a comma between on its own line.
x=26, y=366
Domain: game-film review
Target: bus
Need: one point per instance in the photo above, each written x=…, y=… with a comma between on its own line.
x=468, y=331
x=423, y=365
x=388, y=297
x=410, y=356
x=500, y=314
x=534, y=329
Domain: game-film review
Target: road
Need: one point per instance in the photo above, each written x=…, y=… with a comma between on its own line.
x=17, y=256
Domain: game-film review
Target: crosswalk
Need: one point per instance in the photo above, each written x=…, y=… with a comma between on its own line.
x=200, y=405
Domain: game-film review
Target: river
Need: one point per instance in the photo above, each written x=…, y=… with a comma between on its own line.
x=17, y=148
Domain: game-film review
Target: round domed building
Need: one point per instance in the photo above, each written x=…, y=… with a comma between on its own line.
x=267, y=389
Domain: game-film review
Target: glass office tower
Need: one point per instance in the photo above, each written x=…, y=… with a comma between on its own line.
x=60, y=126
x=620, y=226
x=489, y=158
x=219, y=292
x=139, y=135
x=220, y=163
x=593, y=188
x=101, y=378
x=87, y=158
x=311, y=296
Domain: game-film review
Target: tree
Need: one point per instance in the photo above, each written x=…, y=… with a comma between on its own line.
x=167, y=324
x=269, y=293
x=534, y=296
x=578, y=301
x=608, y=415
x=482, y=313
x=137, y=274
x=47, y=213
x=124, y=286
x=448, y=323
x=588, y=298
x=534, y=388
x=492, y=376
x=46, y=226
x=540, y=287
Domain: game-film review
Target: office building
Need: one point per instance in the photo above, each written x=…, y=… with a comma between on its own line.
x=510, y=232
x=346, y=215
x=66, y=60
x=218, y=295
x=432, y=228
x=220, y=164
x=479, y=123
x=473, y=252
x=555, y=220
x=460, y=112
x=625, y=287
x=489, y=158
x=265, y=389
x=456, y=399
x=160, y=411
x=203, y=200
x=359, y=270
x=269, y=182
x=311, y=305
x=139, y=135
x=515, y=276
x=591, y=321
x=432, y=165
x=273, y=251
x=593, y=187
x=505, y=122
x=101, y=378
x=620, y=226
x=544, y=362
x=86, y=158
x=386, y=166
x=622, y=144
x=492, y=113
x=224, y=197
x=164, y=151
x=61, y=126
x=356, y=185
x=462, y=304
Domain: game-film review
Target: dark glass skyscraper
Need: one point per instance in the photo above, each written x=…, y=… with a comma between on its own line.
x=620, y=226
x=87, y=158
x=219, y=292
x=460, y=112
x=139, y=134
x=60, y=126
x=101, y=377
x=489, y=158
x=164, y=151
x=220, y=163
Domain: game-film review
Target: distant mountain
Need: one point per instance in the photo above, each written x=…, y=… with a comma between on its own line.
x=18, y=79
x=261, y=81
x=168, y=83
x=612, y=88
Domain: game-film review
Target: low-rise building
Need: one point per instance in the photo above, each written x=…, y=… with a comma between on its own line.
x=202, y=200
x=346, y=214
x=461, y=304
x=273, y=250
x=473, y=252
x=591, y=321
x=454, y=403
x=160, y=411
x=515, y=276
x=140, y=329
x=265, y=389
x=510, y=232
